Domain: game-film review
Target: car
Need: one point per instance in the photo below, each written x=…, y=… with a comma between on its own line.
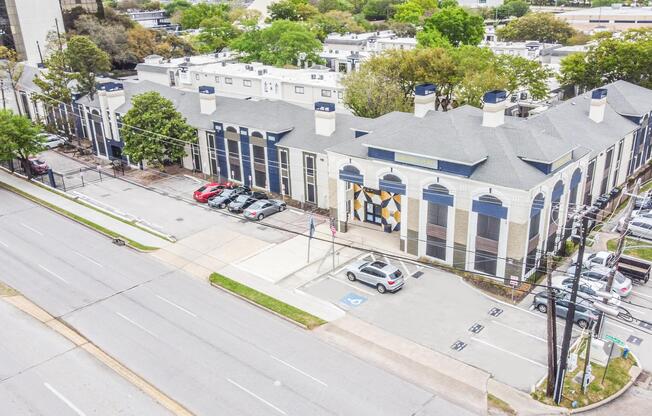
x=640, y=227
x=38, y=166
x=584, y=313
x=622, y=285
x=587, y=289
x=53, y=140
x=263, y=208
x=383, y=276
x=643, y=202
x=638, y=214
x=227, y=196
x=600, y=258
x=210, y=190
x=243, y=201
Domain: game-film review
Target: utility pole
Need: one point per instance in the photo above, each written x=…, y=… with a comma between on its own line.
x=2, y=88
x=570, y=316
x=587, y=357
x=551, y=330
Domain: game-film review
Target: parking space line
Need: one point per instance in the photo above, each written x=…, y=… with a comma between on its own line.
x=63, y=398
x=176, y=306
x=642, y=295
x=256, y=396
x=508, y=352
x=361, y=289
x=521, y=332
x=299, y=371
x=407, y=271
x=340, y=270
x=4, y=244
x=294, y=211
x=54, y=274
x=624, y=328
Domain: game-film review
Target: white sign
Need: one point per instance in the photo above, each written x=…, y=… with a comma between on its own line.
x=514, y=281
x=572, y=362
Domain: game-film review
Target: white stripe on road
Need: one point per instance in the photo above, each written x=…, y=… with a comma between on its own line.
x=64, y=399
x=4, y=244
x=642, y=295
x=88, y=258
x=256, y=396
x=624, y=328
x=54, y=274
x=407, y=271
x=136, y=324
x=177, y=306
x=299, y=371
x=356, y=287
x=509, y=352
x=521, y=332
x=31, y=229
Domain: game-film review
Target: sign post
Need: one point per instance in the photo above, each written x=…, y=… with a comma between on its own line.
x=513, y=282
x=311, y=233
x=614, y=341
x=333, y=232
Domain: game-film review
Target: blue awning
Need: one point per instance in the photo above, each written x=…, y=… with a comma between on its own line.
x=393, y=187
x=437, y=197
x=352, y=177
x=490, y=209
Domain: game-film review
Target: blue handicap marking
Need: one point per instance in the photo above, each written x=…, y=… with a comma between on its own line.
x=353, y=300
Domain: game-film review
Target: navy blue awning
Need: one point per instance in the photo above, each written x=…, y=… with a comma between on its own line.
x=351, y=177
x=490, y=209
x=437, y=197
x=393, y=187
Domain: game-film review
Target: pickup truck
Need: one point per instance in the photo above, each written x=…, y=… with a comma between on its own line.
x=634, y=268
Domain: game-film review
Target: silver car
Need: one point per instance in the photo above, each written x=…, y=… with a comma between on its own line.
x=622, y=285
x=383, y=276
x=53, y=140
x=263, y=208
x=640, y=227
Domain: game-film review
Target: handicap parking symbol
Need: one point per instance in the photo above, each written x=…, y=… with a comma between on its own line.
x=352, y=300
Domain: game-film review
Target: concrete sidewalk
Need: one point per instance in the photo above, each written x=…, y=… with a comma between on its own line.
x=55, y=198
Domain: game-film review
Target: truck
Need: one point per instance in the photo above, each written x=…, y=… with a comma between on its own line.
x=634, y=268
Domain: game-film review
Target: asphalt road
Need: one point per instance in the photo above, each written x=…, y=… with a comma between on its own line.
x=208, y=350
x=42, y=373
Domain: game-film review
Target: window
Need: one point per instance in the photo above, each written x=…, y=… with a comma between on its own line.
x=197, y=77
x=325, y=93
x=25, y=102
x=284, y=158
x=246, y=82
x=228, y=81
x=217, y=79
x=488, y=227
x=260, y=171
x=535, y=221
x=606, y=171
x=310, y=177
x=486, y=262
x=372, y=213
x=298, y=90
x=589, y=183
x=438, y=214
x=212, y=153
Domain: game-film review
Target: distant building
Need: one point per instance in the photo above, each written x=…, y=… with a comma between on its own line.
x=89, y=5
x=532, y=50
x=615, y=18
x=24, y=25
x=480, y=3
x=152, y=19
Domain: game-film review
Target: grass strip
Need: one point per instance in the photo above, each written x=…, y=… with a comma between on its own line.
x=643, y=253
x=268, y=302
x=500, y=405
x=79, y=219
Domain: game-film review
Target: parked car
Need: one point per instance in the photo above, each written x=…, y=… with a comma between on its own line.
x=587, y=289
x=243, y=201
x=639, y=214
x=227, y=196
x=263, y=208
x=640, y=227
x=600, y=258
x=643, y=202
x=621, y=285
x=210, y=190
x=383, y=276
x=584, y=314
x=38, y=166
x=53, y=140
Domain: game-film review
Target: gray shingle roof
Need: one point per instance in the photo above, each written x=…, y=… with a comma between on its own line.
x=629, y=99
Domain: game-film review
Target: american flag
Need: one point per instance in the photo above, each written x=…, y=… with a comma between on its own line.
x=333, y=228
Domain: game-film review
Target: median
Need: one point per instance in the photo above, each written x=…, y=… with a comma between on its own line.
x=276, y=306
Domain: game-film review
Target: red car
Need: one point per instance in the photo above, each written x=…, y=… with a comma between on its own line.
x=210, y=190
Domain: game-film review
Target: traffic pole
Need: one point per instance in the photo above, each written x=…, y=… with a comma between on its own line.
x=551, y=319
x=587, y=357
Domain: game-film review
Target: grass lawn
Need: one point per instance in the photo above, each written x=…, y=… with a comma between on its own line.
x=266, y=301
x=644, y=253
x=500, y=405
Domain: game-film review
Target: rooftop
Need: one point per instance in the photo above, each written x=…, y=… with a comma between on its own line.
x=609, y=11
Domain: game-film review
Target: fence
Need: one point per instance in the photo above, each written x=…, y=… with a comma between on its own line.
x=14, y=166
x=76, y=178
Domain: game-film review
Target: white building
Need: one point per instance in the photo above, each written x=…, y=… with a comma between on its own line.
x=615, y=18
x=532, y=50
x=479, y=3
x=152, y=19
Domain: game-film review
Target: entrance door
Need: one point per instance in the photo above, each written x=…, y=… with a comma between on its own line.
x=372, y=213
x=116, y=151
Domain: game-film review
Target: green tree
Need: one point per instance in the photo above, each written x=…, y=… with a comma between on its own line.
x=294, y=10
x=216, y=33
x=111, y=37
x=86, y=60
x=19, y=139
x=524, y=74
x=176, y=6
x=378, y=9
x=334, y=21
x=192, y=17
x=543, y=27
x=457, y=25
x=154, y=132
x=55, y=84
x=279, y=44
x=327, y=5
x=515, y=8
x=414, y=11
x=11, y=70
x=368, y=94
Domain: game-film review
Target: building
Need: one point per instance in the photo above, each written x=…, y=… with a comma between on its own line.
x=89, y=5
x=480, y=3
x=152, y=19
x=25, y=30
x=470, y=188
x=616, y=18
x=532, y=50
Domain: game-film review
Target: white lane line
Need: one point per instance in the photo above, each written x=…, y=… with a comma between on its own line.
x=181, y=308
x=294, y=211
x=521, y=332
x=136, y=324
x=340, y=270
x=356, y=287
x=509, y=352
x=64, y=399
x=642, y=295
x=624, y=328
x=256, y=396
x=31, y=229
x=4, y=244
x=88, y=258
x=54, y=274
x=299, y=371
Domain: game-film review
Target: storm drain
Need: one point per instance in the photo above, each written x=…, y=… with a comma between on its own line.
x=495, y=312
x=458, y=346
x=179, y=219
x=417, y=275
x=476, y=328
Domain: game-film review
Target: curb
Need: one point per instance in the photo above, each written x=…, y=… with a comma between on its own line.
x=300, y=325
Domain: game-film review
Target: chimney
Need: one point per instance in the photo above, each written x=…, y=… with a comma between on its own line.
x=424, y=99
x=207, y=104
x=113, y=93
x=598, y=104
x=324, y=118
x=493, y=110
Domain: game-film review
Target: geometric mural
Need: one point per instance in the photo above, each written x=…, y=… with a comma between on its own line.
x=388, y=203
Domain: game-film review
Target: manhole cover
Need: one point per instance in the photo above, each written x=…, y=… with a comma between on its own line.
x=458, y=346
x=495, y=312
x=634, y=340
x=417, y=275
x=476, y=328
x=179, y=219
x=645, y=325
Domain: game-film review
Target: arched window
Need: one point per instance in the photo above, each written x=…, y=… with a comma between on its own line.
x=392, y=178
x=231, y=133
x=553, y=224
x=533, y=234
x=259, y=158
x=437, y=224
x=233, y=150
x=257, y=134
x=490, y=212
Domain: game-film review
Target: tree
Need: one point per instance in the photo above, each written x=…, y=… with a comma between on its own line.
x=191, y=18
x=245, y=17
x=378, y=9
x=112, y=38
x=295, y=10
x=154, y=131
x=543, y=27
x=11, y=70
x=86, y=60
x=55, y=84
x=279, y=44
x=457, y=25
x=176, y=6
x=521, y=73
x=327, y=5
x=368, y=94
x=414, y=11
x=516, y=8
x=334, y=21
x=19, y=139
x=216, y=33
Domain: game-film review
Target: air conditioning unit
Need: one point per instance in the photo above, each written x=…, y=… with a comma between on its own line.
x=321, y=77
x=313, y=76
x=261, y=72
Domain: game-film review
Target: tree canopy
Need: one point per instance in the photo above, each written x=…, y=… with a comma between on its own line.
x=415, y=11
x=86, y=60
x=191, y=17
x=154, y=131
x=216, y=33
x=19, y=138
x=294, y=10
x=454, y=24
x=543, y=27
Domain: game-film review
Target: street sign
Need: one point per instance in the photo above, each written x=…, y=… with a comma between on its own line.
x=615, y=340
x=333, y=227
x=514, y=281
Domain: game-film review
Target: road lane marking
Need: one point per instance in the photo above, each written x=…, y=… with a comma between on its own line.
x=509, y=352
x=4, y=244
x=54, y=274
x=618, y=326
x=64, y=399
x=31, y=229
x=356, y=287
x=642, y=295
x=136, y=324
x=177, y=306
x=299, y=371
x=521, y=332
x=88, y=258
x=256, y=396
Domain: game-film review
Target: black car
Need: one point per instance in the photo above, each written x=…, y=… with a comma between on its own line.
x=243, y=201
x=227, y=196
